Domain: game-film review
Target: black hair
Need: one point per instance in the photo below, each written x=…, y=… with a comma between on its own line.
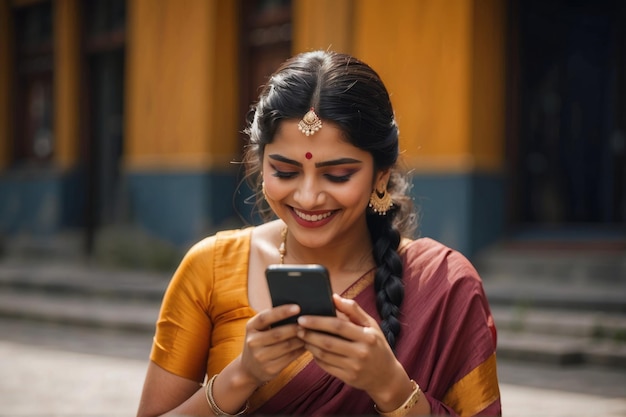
x=349, y=93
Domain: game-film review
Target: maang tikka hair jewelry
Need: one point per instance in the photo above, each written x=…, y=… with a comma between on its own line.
x=310, y=123
x=380, y=202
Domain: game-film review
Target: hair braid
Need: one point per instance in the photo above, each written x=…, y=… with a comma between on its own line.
x=388, y=277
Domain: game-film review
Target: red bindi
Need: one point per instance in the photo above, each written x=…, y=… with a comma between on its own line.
x=308, y=155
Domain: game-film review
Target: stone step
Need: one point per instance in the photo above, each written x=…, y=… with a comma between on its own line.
x=528, y=292
x=551, y=337
x=70, y=310
x=596, y=325
x=561, y=337
x=80, y=295
x=595, y=263
x=81, y=279
x=560, y=350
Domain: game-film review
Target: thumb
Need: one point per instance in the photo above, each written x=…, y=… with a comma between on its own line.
x=353, y=311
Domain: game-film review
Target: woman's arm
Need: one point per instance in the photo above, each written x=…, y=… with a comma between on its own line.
x=266, y=352
x=167, y=394
x=163, y=391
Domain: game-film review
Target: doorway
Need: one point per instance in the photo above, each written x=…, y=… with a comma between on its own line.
x=567, y=131
x=102, y=124
x=266, y=42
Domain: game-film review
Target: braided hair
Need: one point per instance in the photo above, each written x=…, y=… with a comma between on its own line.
x=348, y=92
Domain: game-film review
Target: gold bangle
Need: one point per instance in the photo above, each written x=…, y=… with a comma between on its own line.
x=209, y=398
x=406, y=406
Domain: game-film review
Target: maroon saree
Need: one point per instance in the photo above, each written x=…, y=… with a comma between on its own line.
x=447, y=345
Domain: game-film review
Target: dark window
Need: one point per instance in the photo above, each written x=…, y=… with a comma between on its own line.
x=34, y=134
x=266, y=43
x=570, y=156
x=102, y=113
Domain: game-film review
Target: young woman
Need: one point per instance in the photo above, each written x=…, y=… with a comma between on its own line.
x=413, y=335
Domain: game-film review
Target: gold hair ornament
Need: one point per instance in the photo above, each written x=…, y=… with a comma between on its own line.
x=310, y=123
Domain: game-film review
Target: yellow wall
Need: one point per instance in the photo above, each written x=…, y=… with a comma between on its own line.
x=66, y=82
x=323, y=24
x=443, y=63
x=6, y=75
x=442, y=60
x=224, y=83
x=489, y=84
x=181, y=95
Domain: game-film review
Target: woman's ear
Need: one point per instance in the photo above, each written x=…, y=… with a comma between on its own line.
x=381, y=179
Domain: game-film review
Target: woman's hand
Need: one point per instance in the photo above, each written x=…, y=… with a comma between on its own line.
x=266, y=350
x=356, y=351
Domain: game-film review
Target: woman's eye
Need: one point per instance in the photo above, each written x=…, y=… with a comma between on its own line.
x=284, y=174
x=338, y=178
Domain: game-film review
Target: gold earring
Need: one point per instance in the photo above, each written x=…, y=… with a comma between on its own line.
x=380, y=202
x=263, y=190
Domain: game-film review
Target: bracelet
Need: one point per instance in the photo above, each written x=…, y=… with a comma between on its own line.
x=209, y=398
x=408, y=404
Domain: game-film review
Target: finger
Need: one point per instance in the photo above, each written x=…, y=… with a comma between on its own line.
x=274, y=337
x=312, y=326
x=340, y=364
x=275, y=365
x=266, y=348
x=353, y=311
x=331, y=325
x=266, y=318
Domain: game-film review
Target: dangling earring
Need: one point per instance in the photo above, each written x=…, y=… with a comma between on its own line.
x=380, y=202
x=263, y=190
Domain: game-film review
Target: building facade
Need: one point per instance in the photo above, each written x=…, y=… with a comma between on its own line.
x=117, y=112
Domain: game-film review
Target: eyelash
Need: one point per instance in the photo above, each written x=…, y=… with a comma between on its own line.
x=284, y=175
x=331, y=178
x=339, y=179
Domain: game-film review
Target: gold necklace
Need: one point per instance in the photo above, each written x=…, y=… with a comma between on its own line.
x=282, y=249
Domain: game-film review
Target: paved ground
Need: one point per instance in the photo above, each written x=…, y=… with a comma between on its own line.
x=53, y=370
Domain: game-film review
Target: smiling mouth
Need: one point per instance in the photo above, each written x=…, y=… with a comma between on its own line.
x=312, y=217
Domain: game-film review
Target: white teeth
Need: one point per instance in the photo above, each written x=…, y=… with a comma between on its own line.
x=312, y=217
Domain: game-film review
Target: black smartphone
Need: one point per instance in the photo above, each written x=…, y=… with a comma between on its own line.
x=305, y=285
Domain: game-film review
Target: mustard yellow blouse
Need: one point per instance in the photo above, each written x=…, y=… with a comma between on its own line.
x=201, y=325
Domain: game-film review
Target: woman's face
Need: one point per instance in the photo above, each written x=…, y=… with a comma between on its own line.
x=319, y=185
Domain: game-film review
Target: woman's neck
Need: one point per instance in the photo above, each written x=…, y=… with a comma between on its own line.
x=348, y=255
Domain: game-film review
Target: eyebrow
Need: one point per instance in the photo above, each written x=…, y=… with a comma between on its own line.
x=332, y=162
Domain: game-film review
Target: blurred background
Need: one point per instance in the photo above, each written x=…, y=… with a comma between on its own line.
x=120, y=137
x=125, y=115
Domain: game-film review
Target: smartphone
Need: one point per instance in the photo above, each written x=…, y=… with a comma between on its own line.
x=305, y=285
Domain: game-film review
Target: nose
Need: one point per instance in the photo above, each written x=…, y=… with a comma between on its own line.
x=308, y=195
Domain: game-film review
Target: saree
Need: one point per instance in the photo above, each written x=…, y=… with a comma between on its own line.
x=447, y=342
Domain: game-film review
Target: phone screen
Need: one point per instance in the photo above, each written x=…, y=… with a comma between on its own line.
x=305, y=285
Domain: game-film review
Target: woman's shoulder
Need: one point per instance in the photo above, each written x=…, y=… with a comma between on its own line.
x=422, y=247
x=427, y=258
x=221, y=238
x=226, y=245
x=209, y=256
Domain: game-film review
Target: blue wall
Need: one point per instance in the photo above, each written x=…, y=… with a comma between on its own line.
x=181, y=207
x=463, y=211
x=41, y=202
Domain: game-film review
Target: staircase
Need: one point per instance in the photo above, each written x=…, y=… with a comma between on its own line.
x=558, y=305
